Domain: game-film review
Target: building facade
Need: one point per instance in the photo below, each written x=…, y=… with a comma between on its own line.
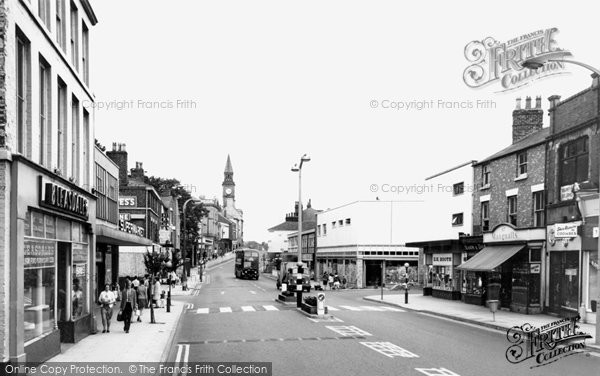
x=47, y=209
x=230, y=211
x=364, y=241
x=210, y=235
x=572, y=158
x=509, y=211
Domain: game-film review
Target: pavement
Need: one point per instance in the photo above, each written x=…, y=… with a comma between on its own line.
x=145, y=341
x=472, y=314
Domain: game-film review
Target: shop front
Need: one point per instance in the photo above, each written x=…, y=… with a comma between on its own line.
x=508, y=269
x=52, y=265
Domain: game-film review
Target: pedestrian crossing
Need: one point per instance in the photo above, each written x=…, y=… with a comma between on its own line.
x=273, y=308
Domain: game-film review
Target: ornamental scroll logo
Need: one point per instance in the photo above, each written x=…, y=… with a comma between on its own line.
x=545, y=344
x=494, y=61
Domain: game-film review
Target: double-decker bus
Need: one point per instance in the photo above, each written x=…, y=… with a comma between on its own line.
x=246, y=264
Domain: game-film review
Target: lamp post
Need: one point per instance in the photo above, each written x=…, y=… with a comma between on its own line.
x=539, y=62
x=406, y=265
x=298, y=168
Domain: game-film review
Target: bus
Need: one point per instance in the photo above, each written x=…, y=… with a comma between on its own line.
x=246, y=264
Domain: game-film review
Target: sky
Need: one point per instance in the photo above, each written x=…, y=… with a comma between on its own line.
x=184, y=83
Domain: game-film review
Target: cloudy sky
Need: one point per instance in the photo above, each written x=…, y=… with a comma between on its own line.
x=267, y=81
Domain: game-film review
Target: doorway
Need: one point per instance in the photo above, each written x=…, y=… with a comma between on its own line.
x=373, y=272
x=63, y=285
x=564, y=280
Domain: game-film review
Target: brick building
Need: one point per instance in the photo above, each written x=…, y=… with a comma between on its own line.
x=508, y=210
x=572, y=159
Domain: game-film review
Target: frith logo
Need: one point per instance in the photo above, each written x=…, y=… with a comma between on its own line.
x=494, y=61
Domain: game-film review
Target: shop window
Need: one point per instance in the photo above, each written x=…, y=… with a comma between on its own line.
x=521, y=163
x=538, y=209
x=485, y=216
x=50, y=227
x=27, y=223
x=39, y=313
x=594, y=291
x=511, y=216
x=474, y=283
x=442, y=277
x=535, y=255
x=79, y=291
x=458, y=188
x=573, y=161
x=38, y=230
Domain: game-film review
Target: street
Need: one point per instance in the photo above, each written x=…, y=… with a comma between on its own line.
x=232, y=320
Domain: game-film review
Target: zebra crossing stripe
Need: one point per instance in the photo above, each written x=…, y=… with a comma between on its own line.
x=331, y=308
x=248, y=309
x=225, y=310
x=202, y=310
x=270, y=308
x=350, y=308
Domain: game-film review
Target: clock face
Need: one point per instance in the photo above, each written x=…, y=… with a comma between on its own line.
x=228, y=191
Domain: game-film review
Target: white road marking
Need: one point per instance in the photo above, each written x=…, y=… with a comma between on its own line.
x=185, y=351
x=248, y=309
x=222, y=292
x=371, y=308
x=189, y=306
x=348, y=331
x=202, y=310
x=270, y=308
x=350, y=308
x=331, y=308
x=225, y=310
x=329, y=319
x=389, y=349
x=186, y=357
x=253, y=292
x=393, y=309
x=436, y=372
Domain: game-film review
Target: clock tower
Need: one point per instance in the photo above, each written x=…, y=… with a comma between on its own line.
x=228, y=186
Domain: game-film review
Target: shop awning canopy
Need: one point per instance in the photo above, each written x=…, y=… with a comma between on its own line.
x=491, y=257
x=110, y=235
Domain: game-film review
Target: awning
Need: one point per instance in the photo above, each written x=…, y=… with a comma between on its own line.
x=491, y=257
x=109, y=235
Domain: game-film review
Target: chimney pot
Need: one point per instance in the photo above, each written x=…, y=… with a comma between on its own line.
x=528, y=103
x=114, y=146
x=518, y=107
x=538, y=101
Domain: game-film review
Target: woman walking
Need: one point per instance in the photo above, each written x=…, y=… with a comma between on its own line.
x=142, y=299
x=128, y=304
x=107, y=300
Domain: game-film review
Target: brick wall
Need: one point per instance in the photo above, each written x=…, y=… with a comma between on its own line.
x=528, y=120
x=576, y=110
x=4, y=193
x=502, y=178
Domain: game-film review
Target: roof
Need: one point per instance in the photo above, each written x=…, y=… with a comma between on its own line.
x=452, y=169
x=533, y=139
x=228, y=167
x=309, y=220
x=285, y=226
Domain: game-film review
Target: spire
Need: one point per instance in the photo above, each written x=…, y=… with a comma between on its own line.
x=228, y=167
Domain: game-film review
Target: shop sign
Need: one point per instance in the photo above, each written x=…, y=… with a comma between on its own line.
x=566, y=192
x=38, y=253
x=535, y=268
x=504, y=233
x=80, y=255
x=130, y=201
x=63, y=199
x=125, y=216
x=442, y=259
x=164, y=236
x=130, y=228
x=565, y=230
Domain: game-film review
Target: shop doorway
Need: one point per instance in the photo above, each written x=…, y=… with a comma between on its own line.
x=373, y=272
x=564, y=281
x=63, y=285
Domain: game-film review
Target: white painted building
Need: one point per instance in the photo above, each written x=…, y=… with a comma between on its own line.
x=357, y=240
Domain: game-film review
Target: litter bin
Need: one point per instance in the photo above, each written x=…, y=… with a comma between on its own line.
x=493, y=305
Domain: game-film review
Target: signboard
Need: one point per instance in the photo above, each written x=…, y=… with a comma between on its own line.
x=566, y=192
x=129, y=201
x=505, y=233
x=80, y=255
x=595, y=232
x=320, y=304
x=38, y=253
x=130, y=228
x=62, y=198
x=80, y=271
x=163, y=235
x=565, y=230
x=442, y=259
x=535, y=268
x=125, y=216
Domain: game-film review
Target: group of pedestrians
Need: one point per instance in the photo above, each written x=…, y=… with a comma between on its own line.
x=334, y=281
x=133, y=298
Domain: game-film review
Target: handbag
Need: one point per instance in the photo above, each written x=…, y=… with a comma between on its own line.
x=120, y=316
x=137, y=312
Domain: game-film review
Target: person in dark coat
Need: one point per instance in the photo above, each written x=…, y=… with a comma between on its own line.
x=128, y=304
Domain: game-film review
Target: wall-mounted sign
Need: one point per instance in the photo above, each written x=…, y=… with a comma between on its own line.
x=130, y=201
x=62, y=198
x=80, y=254
x=38, y=253
x=504, y=233
x=442, y=259
x=565, y=230
x=566, y=192
x=130, y=228
x=125, y=216
x=535, y=268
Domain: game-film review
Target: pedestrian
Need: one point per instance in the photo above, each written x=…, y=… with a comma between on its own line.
x=156, y=293
x=107, y=300
x=325, y=280
x=142, y=300
x=330, y=280
x=135, y=283
x=184, y=284
x=344, y=281
x=128, y=304
x=336, y=282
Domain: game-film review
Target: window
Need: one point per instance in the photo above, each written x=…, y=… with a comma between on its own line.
x=23, y=92
x=538, y=209
x=45, y=122
x=485, y=174
x=573, y=161
x=511, y=216
x=348, y=221
x=324, y=228
x=521, y=163
x=457, y=219
x=485, y=216
x=86, y=149
x=459, y=188
x=75, y=141
x=319, y=230
x=74, y=37
x=62, y=127
x=85, y=53
x=333, y=224
x=341, y=222
x=44, y=12
x=60, y=23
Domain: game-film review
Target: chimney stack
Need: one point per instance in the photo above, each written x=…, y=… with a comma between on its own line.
x=119, y=156
x=528, y=120
x=137, y=173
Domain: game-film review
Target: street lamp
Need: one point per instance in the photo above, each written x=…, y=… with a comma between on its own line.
x=406, y=265
x=539, y=62
x=298, y=168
